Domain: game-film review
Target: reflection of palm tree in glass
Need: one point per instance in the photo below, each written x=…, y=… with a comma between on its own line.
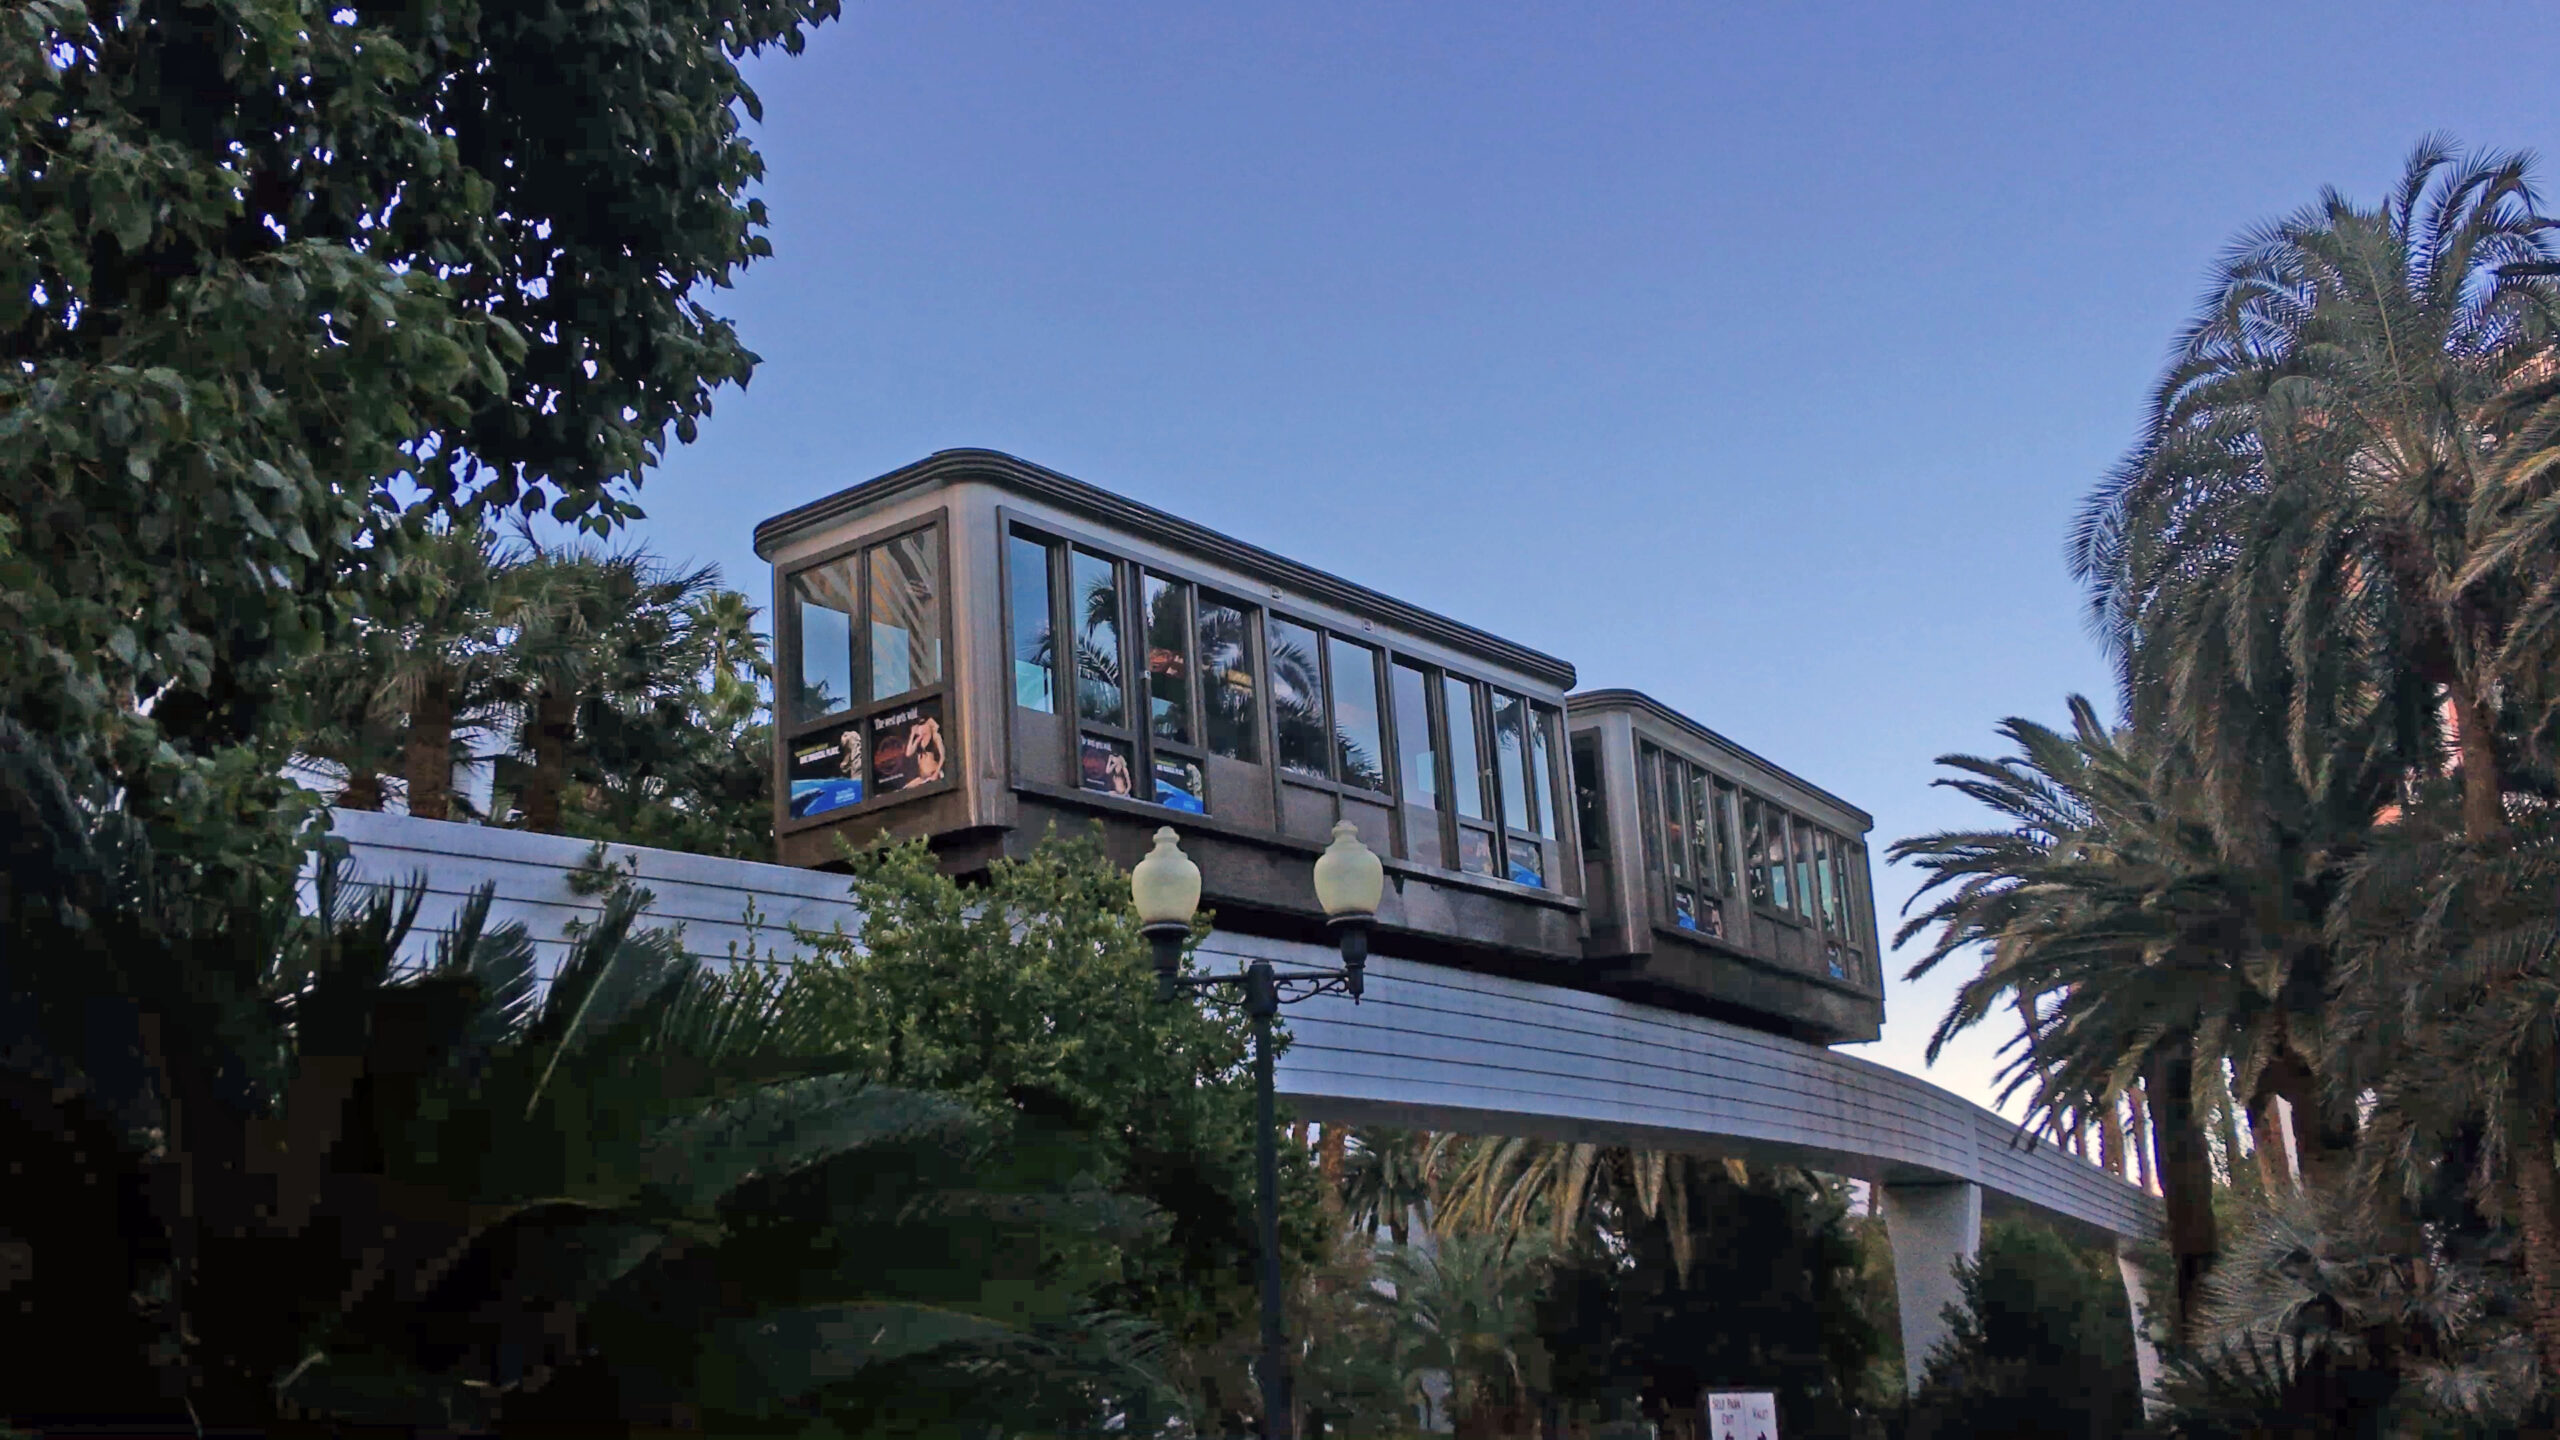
x=1098, y=655
x=1297, y=705
x=1227, y=696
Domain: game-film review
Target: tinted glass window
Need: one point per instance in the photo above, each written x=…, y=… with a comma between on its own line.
x=1755, y=833
x=1702, y=827
x=1528, y=862
x=1096, y=597
x=1542, y=770
x=1297, y=697
x=1590, y=805
x=826, y=597
x=1826, y=882
x=1168, y=659
x=1804, y=866
x=1649, y=804
x=1358, y=738
x=1417, y=763
x=1674, y=813
x=1510, y=758
x=1466, y=765
x=1027, y=564
x=906, y=615
x=1226, y=661
x=1728, y=853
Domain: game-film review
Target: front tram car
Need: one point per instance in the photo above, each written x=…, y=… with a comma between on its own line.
x=974, y=649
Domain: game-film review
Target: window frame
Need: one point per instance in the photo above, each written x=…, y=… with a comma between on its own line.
x=787, y=667
x=1562, y=851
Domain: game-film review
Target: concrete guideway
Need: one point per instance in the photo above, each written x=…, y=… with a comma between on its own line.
x=1430, y=1047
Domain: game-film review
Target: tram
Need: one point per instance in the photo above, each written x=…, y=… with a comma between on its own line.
x=976, y=650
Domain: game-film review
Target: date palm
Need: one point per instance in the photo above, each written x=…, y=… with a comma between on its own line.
x=2133, y=948
x=442, y=657
x=2336, y=521
x=2305, y=526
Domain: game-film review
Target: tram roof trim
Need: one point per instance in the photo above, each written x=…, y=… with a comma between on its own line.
x=1094, y=503
x=1623, y=699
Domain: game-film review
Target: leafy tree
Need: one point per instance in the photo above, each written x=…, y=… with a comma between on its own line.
x=1386, y=1180
x=2042, y=1345
x=1464, y=1306
x=282, y=280
x=1033, y=995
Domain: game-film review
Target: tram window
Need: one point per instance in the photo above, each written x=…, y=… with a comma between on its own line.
x=826, y=598
x=906, y=615
x=1773, y=856
x=1510, y=758
x=1542, y=772
x=1729, y=877
x=1702, y=826
x=1168, y=659
x=1358, y=743
x=1226, y=658
x=1590, y=804
x=1297, y=698
x=1417, y=762
x=1826, y=881
x=1804, y=866
x=1030, y=566
x=1466, y=766
x=1648, y=803
x=1675, y=825
x=1096, y=597
x=1755, y=834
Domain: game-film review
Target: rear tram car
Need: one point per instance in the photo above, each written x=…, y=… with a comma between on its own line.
x=974, y=650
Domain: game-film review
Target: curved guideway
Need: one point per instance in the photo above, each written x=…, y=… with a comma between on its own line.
x=1428, y=1048
x=1442, y=1049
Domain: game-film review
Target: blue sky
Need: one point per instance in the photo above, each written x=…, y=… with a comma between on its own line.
x=1754, y=356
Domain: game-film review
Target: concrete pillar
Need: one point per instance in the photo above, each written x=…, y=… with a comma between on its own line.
x=2146, y=1360
x=1932, y=1227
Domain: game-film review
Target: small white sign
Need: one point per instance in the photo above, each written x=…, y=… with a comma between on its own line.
x=1742, y=1415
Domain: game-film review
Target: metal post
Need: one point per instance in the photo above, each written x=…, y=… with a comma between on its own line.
x=1262, y=1001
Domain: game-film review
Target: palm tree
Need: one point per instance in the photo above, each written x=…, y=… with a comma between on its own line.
x=1386, y=1180
x=589, y=630
x=2333, y=530
x=2302, y=529
x=1510, y=1188
x=2133, y=949
x=443, y=658
x=1465, y=1307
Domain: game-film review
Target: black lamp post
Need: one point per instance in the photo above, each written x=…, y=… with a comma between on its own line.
x=1349, y=884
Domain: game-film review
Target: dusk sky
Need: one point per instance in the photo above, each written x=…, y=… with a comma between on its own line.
x=1754, y=357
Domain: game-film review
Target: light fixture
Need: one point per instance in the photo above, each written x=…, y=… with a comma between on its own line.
x=1350, y=882
x=1166, y=887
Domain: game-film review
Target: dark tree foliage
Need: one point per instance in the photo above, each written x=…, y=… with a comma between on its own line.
x=2042, y=1347
x=281, y=279
x=1772, y=1302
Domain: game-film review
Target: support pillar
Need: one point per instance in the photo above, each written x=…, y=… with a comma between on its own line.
x=1932, y=1227
x=2146, y=1360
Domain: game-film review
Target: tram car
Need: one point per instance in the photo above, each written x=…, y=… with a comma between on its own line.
x=976, y=651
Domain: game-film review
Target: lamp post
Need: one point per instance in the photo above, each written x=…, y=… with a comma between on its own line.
x=1349, y=883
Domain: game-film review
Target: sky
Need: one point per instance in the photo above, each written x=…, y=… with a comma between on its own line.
x=1754, y=356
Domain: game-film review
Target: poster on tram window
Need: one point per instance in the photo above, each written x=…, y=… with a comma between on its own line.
x=1742, y=1415
x=826, y=770
x=907, y=748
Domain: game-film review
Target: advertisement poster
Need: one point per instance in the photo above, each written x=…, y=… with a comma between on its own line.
x=1180, y=786
x=1742, y=1415
x=907, y=748
x=826, y=771
x=1105, y=766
